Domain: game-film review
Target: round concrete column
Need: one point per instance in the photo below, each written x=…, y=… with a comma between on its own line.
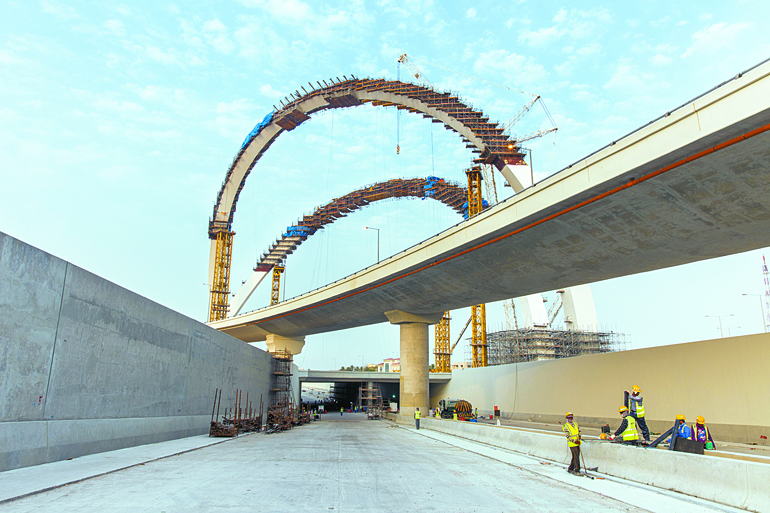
x=414, y=368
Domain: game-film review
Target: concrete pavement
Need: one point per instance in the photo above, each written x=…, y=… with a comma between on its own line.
x=341, y=464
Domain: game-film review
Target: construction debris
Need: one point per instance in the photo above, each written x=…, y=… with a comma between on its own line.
x=237, y=420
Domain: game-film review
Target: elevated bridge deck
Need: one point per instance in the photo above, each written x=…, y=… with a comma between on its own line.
x=690, y=186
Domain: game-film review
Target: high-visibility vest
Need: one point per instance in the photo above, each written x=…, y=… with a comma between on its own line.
x=694, y=433
x=639, y=407
x=454, y=416
x=572, y=431
x=417, y=414
x=630, y=432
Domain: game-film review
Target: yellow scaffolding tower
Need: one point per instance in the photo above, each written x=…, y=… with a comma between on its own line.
x=277, y=270
x=220, y=286
x=441, y=350
x=478, y=312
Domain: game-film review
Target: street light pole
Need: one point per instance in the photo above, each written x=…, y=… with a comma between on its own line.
x=721, y=333
x=761, y=309
x=378, y=240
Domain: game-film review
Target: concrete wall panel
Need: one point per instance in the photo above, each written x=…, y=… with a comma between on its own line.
x=88, y=366
x=719, y=379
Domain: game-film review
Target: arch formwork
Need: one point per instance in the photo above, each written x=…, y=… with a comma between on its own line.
x=432, y=187
x=482, y=136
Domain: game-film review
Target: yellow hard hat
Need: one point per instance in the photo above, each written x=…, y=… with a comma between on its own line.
x=700, y=420
x=622, y=409
x=636, y=389
x=568, y=414
x=680, y=417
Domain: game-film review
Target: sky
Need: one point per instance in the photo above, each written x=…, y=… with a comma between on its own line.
x=119, y=121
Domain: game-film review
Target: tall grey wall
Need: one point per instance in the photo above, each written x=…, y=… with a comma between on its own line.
x=87, y=366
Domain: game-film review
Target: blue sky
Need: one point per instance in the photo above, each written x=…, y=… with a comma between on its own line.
x=118, y=122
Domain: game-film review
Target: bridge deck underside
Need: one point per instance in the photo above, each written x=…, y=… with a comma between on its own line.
x=714, y=206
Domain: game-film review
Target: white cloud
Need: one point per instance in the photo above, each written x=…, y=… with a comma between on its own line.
x=515, y=68
x=268, y=92
x=681, y=23
x=630, y=81
x=716, y=39
x=287, y=11
x=706, y=16
x=116, y=27
x=215, y=33
x=660, y=59
x=8, y=57
x=575, y=24
x=470, y=13
x=58, y=10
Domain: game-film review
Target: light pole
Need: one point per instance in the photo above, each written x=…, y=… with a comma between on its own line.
x=721, y=333
x=761, y=309
x=378, y=240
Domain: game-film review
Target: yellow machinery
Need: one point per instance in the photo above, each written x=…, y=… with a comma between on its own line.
x=220, y=285
x=478, y=312
x=277, y=270
x=441, y=351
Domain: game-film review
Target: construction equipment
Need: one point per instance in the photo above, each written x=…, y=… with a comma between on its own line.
x=414, y=70
x=448, y=407
x=478, y=312
x=441, y=346
x=220, y=286
x=275, y=292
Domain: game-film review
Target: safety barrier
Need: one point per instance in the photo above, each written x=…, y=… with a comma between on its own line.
x=737, y=483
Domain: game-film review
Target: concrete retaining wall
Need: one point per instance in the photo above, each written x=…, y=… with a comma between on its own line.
x=719, y=379
x=87, y=366
x=736, y=483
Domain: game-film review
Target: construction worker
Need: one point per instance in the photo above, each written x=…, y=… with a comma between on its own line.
x=572, y=430
x=636, y=406
x=684, y=430
x=700, y=433
x=417, y=418
x=627, y=430
x=341, y=411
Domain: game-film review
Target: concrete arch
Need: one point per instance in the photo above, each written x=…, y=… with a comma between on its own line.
x=448, y=193
x=485, y=138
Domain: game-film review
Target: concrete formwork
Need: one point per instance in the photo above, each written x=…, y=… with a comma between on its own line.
x=720, y=379
x=87, y=366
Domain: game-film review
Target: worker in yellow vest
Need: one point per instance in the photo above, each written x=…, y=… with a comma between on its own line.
x=572, y=430
x=636, y=408
x=627, y=431
x=417, y=418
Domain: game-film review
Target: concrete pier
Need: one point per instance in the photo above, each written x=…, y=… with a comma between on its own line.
x=414, y=359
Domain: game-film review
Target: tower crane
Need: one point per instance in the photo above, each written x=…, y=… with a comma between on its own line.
x=413, y=69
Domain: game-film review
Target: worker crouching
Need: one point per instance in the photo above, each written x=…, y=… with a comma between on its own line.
x=627, y=432
x=572, y=430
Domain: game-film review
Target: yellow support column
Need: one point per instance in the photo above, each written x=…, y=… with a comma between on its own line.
x=478, y=312
x=220, y=286
x=441, y=350
x=274, y=295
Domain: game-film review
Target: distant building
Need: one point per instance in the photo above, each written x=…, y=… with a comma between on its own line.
x=389, y=365
x=462, y=365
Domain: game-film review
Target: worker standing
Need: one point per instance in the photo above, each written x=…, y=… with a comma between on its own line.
x=341, y=410
x=700, y=433
x=627, y=430
x=636, y=406
x=572, y=430
x=417, y=418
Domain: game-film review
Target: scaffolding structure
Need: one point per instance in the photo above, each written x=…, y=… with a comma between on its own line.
x=280, y=414
x=370, y=398
x=531, y=344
